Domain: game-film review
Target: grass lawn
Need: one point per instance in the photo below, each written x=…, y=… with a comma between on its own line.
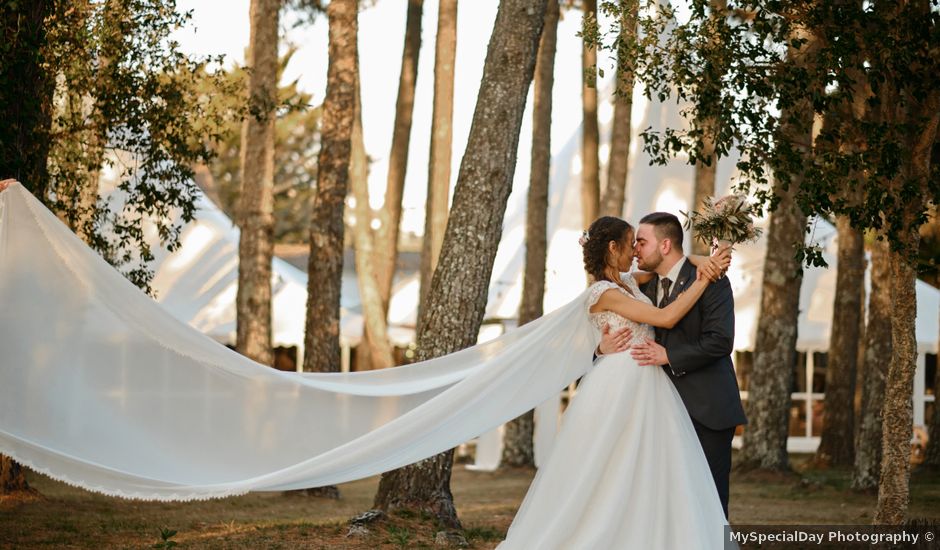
x=65, y=517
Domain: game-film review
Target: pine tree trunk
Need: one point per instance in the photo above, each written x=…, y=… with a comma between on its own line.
x=375, y=330
x=457, y=299
x=26, y=107
x=877, y=357
x=768, y=405
x=325, y=268
x=590, y=135
x=837, y=444
x=704, y=183
x=622, y=128
x=436, y=206
x=256, y=208
x=518, y=445
x=764, y=444
x=893, y=488
x=12, y=477
x=390, y=215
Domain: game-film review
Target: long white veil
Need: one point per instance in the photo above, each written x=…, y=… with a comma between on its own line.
x=101, y=388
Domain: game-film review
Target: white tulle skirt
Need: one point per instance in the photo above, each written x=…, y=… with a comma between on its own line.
x=626, y=471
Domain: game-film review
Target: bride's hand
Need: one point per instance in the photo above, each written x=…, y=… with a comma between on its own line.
x=718, y=263
x=6, y=183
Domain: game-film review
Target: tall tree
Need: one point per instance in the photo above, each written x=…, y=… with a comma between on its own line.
x=922, y=113
x=436, y=205
x=376, y=343
x=622, y=128
x=321, y=341
x=590, y=134
x=25, y=94
x=256, y=210
x=390, y=215
x=706, y=161
x=518, y=445
x=768, y=405
x=837, y=444
x=457, y=300
x=875, y=361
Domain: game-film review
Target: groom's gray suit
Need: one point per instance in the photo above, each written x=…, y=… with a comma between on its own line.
x=699, y=348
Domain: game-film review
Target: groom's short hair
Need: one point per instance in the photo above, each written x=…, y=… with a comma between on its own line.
x=666, y=226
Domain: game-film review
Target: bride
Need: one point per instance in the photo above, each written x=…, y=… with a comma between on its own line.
x=626, y=469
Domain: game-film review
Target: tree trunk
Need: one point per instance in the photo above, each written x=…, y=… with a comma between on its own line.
x=325, y=269
x=705, y=171
x=893, y=488
x=436, y=206
x=25, y=95
x=837, y=445
x=457, y=299
x=619, y=160
x=877, y=357
x=518, y=446
x=256, y=209
x=590, y=135
x=375, y=331
x=390, y=215
x=764, y=445
x=768, y=405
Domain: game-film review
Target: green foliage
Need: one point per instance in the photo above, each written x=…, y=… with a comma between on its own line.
x=126, y=99
x=165, y=536
x=751, y=68
x=400, y=535
x=296, y=146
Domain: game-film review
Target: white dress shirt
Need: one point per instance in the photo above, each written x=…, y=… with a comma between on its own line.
x=672, y=276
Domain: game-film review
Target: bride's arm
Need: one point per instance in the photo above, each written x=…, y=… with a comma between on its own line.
x=716, y=261
x=641, y=312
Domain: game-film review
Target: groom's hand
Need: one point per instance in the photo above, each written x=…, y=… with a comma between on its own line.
x=649, y=353
x=614, y=341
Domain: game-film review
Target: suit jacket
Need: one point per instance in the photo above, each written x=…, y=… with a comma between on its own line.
x=699, y=349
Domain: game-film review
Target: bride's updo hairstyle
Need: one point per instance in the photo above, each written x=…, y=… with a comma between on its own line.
x=601, y=232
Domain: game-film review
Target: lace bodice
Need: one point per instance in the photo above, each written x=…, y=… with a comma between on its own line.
x=641, y=332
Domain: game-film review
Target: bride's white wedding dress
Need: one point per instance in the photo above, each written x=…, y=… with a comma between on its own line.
x=626, y=469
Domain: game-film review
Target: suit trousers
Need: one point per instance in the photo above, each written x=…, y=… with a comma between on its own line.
x=717, y=447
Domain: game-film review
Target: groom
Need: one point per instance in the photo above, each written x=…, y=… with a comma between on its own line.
x=696, y=353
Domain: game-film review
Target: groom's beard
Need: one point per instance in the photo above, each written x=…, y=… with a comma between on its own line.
x=649, y=264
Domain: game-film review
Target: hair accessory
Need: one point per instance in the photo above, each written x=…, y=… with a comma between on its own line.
x=584, y=238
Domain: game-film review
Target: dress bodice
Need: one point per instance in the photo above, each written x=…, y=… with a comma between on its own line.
x=641, y=332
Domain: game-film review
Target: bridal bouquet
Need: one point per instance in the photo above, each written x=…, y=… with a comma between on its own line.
x=729, y=219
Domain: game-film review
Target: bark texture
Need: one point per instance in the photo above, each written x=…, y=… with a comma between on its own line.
x=764, y=444
x=321, y=341
x=390, y=215
x=893, y=488
x=704, y=183
x=26, y=99
x=618, y=162
x=518, y=445
x=438, y=200
x=876, y=358
x=590, y=135
x=256, y=208
x=457, y=300
x=375, y=334
x=837, y=444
